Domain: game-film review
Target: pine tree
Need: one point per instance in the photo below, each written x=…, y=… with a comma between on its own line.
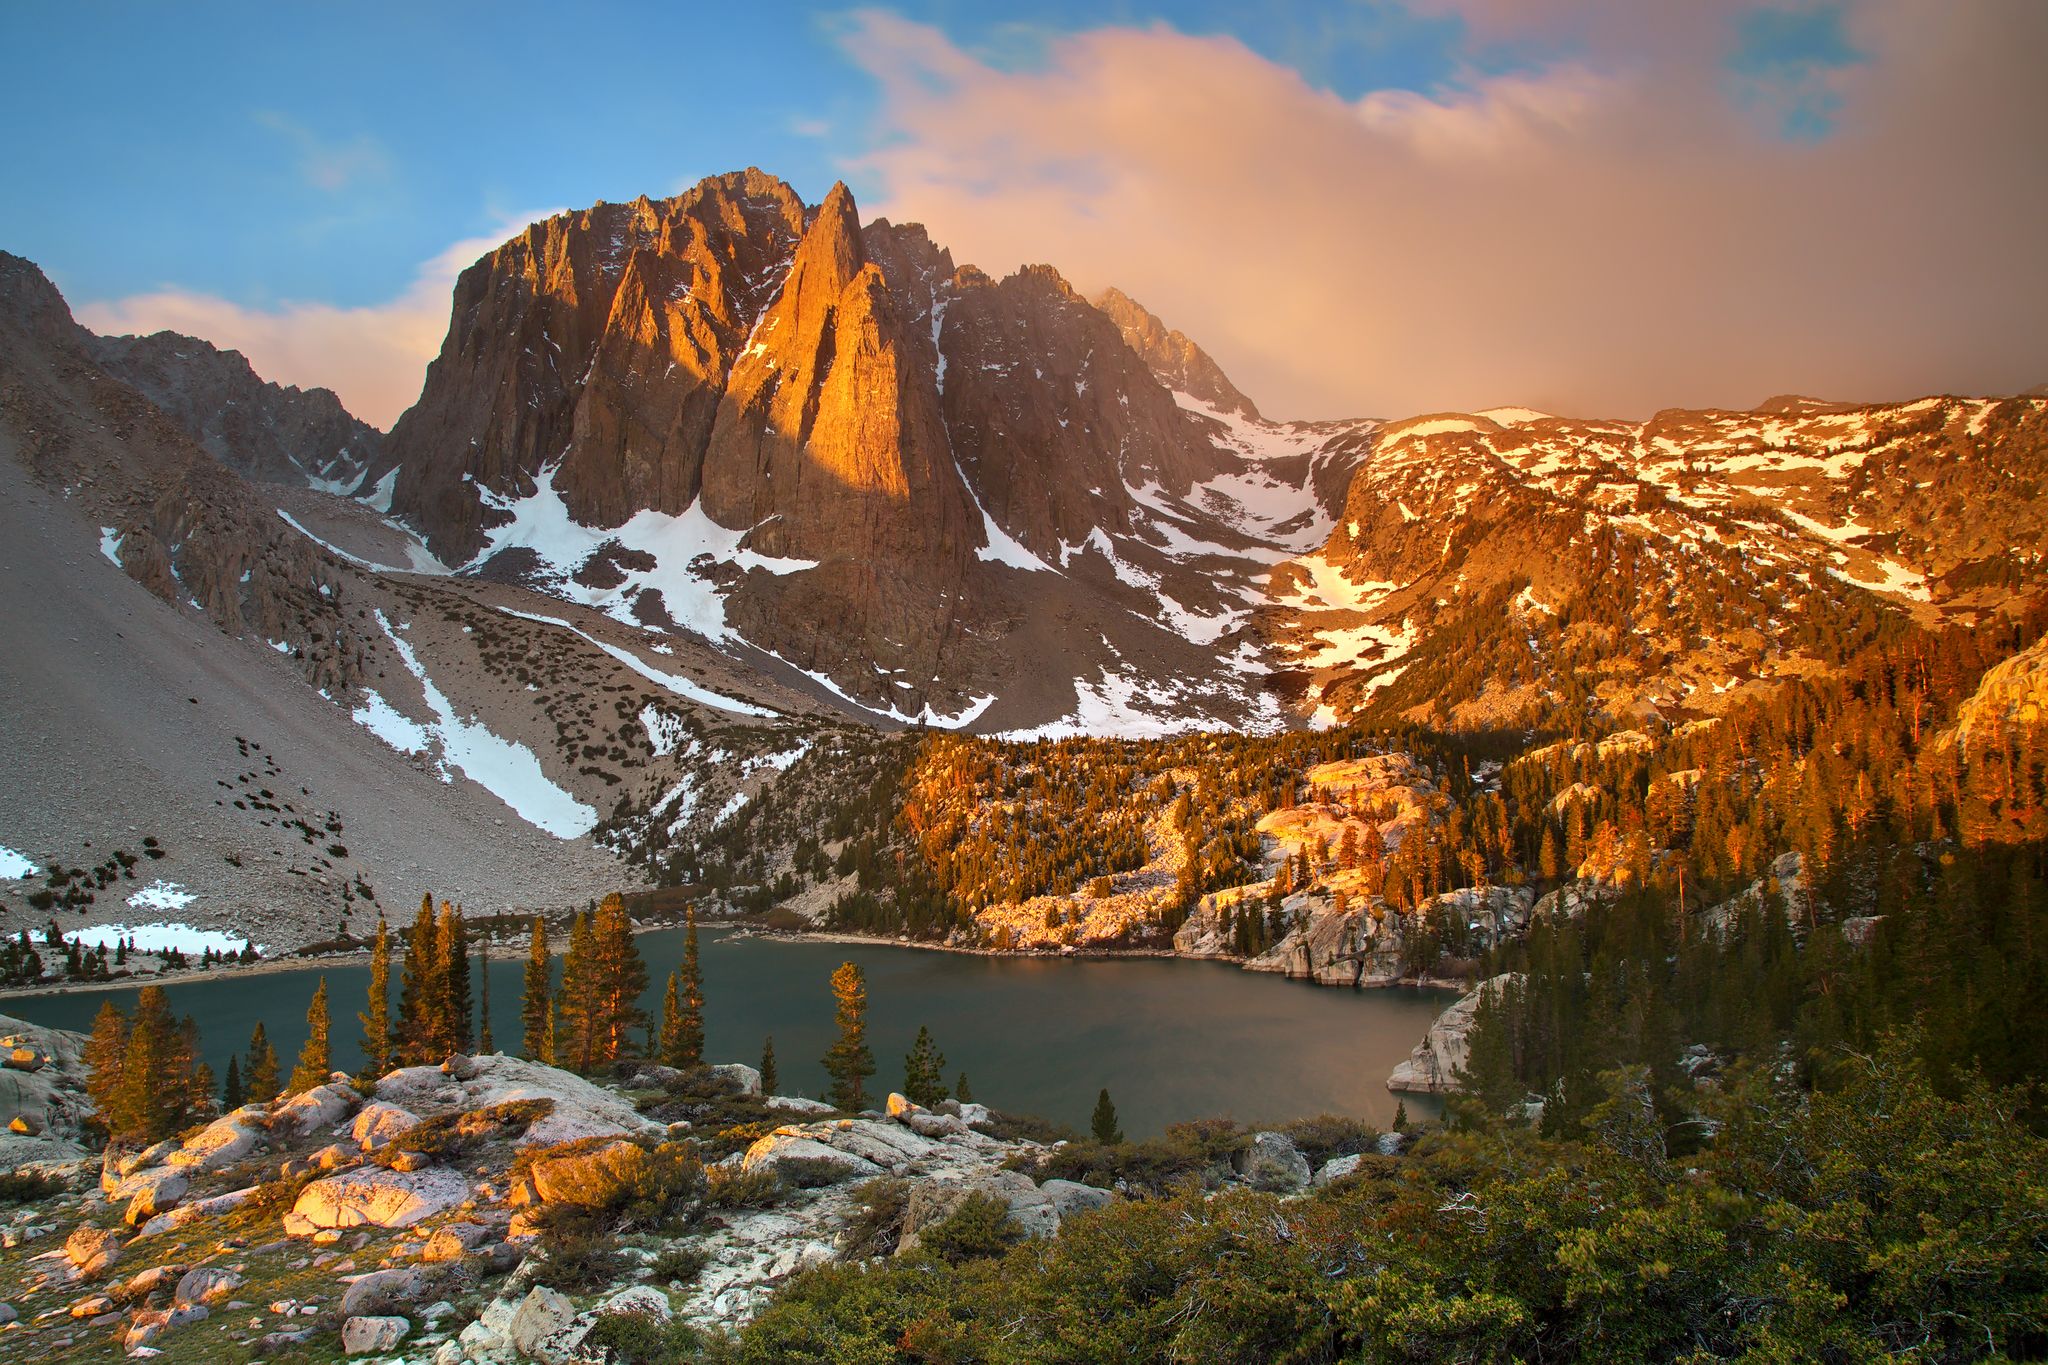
x=422, y=997
x=1102, y=1124
x=668, y=1048
x=768, y=1077
x=621, y=978
x=849, y=1062
x=231, y=1096
x=1400, y=1116
x=535, y=1010
x=156, y=1075
x=106, y=1055
x=458, y=1029
x=961, y=1091
x=314, y=1063
x=484, y=1042
x=376, y=1019
x=259, y=1068
x=924, y=1070
x=578, y=1008
x=690, y=1032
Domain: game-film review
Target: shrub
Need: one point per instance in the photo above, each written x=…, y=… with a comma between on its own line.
x=877, y=1223
x=678, y=1263
x=577, y=1248
x=1330, y=1135
x=1026, y=1128
x=26, y=1187
x=728, y=1187
x=979, y=1227
x=642, y=1339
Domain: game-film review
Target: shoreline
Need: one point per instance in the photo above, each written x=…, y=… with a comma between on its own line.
x=736, y=928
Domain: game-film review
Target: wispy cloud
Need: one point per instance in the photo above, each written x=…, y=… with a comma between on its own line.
x=374, y=357
x=327, y=164
x=1647, y=219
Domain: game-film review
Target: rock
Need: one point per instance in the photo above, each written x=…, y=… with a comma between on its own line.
x=1071, y=1197
x=375, y=1197
x=382, y=1291
x=582, y=1109
x=901, y=1107
x=771, y=1152
x=1390, y=1144
x=541, y=1315
x=221, y=1143
x=92, y=1306
x=365, y=1336
x=197, y=1209
x=149, y=1281
x=1033, y=1210
x=654, y=1076
x=461, y=1066
x=975, y=1115
x=453, y=1242
x=1432, y=1069
x=409, y=1161
x=309, y=1111
x=1273, y=1163
x=25, y=1059
x=592, y=1177
x=159, y=1194
x=152, y=1155
x=639, y=1298
x=276, y=1343
x=747, y=1078
x=8, y=1314
x=796, y=1104
x=28, y=1125
x=92, y=1251
x=1337, y=1167
x=206, y=1284
x=927, y=1124
x=377, y=1123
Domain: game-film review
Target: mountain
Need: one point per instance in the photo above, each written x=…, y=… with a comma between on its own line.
x=1180, y=364
x=272, y=433
x=940, y=495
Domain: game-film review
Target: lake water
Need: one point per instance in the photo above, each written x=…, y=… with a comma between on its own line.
x=1171, y=1039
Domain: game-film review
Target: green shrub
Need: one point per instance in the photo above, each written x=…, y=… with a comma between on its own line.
x=978, y=1228
x=26, y=1187
x=678, y=1263
x=642, y=1339
x=877, y=1223
x=1330, y=1135
x=728, y=1187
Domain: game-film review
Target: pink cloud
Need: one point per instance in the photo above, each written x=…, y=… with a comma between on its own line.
x=1609, y=236
x=374, y=357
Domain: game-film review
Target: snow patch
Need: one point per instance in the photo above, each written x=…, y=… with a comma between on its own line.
x=14, y=866
x=674, y=682
x=162, y=937
x=162, y=895
x=110, y=545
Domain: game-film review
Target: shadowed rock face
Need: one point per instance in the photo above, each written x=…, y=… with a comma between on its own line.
x=1173, y=356
x=272, y=433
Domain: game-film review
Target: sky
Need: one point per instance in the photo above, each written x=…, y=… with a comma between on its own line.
x=1373, y=207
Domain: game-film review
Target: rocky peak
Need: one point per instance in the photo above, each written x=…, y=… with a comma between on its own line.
x=1178, y=361
x=273, y=433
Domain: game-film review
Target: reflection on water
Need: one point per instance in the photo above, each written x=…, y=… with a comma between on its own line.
x=1171, y=1039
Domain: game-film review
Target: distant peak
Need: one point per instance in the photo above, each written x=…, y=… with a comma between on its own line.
x=1173, y=356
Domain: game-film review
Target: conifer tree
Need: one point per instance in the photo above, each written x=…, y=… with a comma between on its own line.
x=457, y=1030
x=621, y=978
x=769, y=1079
x=231, y=1097
x=924, y=1071
x=484, y=1042
x=376, y=1018
x=422, y=995
x=314, y=1063
x=259, y=1067
x=961, y=1092
x=690, y=1029
x=156, y=1075
x=536, y=1011
x=668, y=1046
x=106, y=1055
x=579, y=1010
x=849, y=1062
x=1103, y=1125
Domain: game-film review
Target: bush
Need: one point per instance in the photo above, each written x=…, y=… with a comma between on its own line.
x=678, y=1263
x=642, y=1339
x=626, y=1182
x=26, y=1187
x=1198, y=1152
x=1027, y=1128
x=577, y=1247
x=1330, y=1135
x=979, y=1227
x=877, y=1223
x=729, y=1188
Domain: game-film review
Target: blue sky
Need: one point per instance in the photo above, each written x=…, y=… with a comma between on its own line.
x=287, y=151
x=1359, y=206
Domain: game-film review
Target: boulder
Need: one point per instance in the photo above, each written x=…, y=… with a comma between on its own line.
x=581, y=1110
x=453, y=1242
x=1337, y=1167
x=374, y=1197
x=1033, y=1210
x=1390, y=1144
x=25, y=1058
x=747, y=1078
x=8, y=1314
x=542, y=1315
x=160, y=1193
x=644, y=1299
x=900, y=1106
x=1071, y=1197
x=786, y=1145
x=92, y=1306
x=377, y=1123
x=152, y=1155
x=1432, y=1069
x=975, y=1115
x=796, y=1104
x=206, y=1284
x=368, y=1336
x=221, y=1143
x=927, y=1124
x=382, y=1291
x=1273, y=1163
x=26, y=1125
x=149, y=1281
x=92, y=1251
x=312, y=1110
x=198, y=1208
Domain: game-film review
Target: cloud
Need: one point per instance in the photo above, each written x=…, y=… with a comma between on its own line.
x=373, y=357
x=332, y=166
x=1648, y=220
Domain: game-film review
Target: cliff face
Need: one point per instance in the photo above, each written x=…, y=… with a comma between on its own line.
x=272, y=433
x=1173, y=356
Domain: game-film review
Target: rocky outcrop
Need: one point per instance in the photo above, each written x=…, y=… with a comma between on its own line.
x=43, y=1108
x=1177, y=360
x=269, y=433
x=1435, y=1065
x=578, y=1108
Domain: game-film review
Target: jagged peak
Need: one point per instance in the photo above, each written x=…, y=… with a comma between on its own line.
x=1173, y=355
